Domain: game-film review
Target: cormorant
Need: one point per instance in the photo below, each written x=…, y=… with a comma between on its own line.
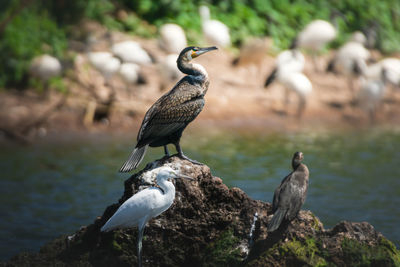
x=165, y=121
x=290, y=194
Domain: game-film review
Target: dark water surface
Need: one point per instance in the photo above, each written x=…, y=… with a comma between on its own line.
x=53, y=188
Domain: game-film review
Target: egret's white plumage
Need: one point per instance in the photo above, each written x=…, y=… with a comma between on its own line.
x=370, y=96
x=358, y=37
x=130, y=72
x=287, y=61
x=290, y=61
x=349, y=55
x=168, y=70
x=144, y=205
x=215, y=32
x=288, y=67
x=350, y=60
x=392, y=69
x=105, y=63
x=132, y=52
x=314, y=37
x=45, y=67
x=172, y=38
x=169, y=66
x=298, y=83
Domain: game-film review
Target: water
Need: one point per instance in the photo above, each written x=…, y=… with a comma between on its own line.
x=51, y=189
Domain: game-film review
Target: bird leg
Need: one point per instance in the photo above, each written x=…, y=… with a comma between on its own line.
x=166, y=151
x=182, y=156
x=139, y=246
x=315, y=62
x=301, y=107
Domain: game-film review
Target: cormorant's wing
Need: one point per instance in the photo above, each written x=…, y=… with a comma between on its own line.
x=292, y=194
x=172, y=111
x=278, y=191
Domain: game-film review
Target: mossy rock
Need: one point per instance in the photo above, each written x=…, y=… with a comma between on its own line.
x=356, y=253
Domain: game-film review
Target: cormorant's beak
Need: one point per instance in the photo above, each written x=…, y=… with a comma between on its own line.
x=204, y=50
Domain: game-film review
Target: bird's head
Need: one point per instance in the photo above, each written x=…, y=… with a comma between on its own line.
x=297, y=159
x=192, y=52
x=167, y=173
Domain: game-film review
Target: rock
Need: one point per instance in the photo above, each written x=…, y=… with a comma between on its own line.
x=209, y=225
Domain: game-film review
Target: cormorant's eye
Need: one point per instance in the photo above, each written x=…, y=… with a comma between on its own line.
x=195, y=49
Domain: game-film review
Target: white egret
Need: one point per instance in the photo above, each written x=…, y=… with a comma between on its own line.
x=392, y=68
x=132, y=52
x=314, y=37
x=130, y=73
x=351, y=61
x=105, y=63
x=172, y=38
x=288, y=67
x=144, y=205
x=370, y=96
x=45, y=67
x=168, y=70
x=215, y=32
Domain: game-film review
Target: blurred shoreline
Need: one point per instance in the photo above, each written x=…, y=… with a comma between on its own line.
x=235, y=100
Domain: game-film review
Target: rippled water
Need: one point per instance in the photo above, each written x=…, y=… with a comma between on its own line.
x=51, y=189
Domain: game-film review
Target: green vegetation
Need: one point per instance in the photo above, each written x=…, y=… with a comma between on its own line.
x=358, y=254
x=45, y=26
x=223, y=251
x=307, y=253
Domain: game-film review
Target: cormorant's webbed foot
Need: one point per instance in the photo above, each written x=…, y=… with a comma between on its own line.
x=182, y=156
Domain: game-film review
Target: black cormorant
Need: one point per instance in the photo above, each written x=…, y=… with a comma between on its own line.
x=290, y=194
x=165, y=121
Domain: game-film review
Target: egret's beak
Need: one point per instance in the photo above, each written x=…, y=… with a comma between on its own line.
x=184, y=176
x=203, y=50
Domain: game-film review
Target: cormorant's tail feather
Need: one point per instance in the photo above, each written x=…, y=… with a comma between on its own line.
x=276, y=220
x=134, y=159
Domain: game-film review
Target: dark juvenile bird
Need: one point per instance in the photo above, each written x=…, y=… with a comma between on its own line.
x=290, y=194
x=165, y=121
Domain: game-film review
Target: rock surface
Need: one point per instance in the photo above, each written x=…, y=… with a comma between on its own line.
x=209, y=225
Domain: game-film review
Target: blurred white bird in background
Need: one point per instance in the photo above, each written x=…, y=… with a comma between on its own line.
x=288, y=71
x=131, y=52
x=314, y=37
x=45, y=67
x=172, y=38
x=371, y=94
x=169, y=71
x=214, y=31
x=145, y=205
x=392, y=70
x=105, y=63
x=351, y=61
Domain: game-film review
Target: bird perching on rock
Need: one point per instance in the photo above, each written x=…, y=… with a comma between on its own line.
x=290, y=194
x=145, y=205
x=166, y=119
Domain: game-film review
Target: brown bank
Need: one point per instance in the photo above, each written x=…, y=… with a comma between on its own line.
x=209, y=225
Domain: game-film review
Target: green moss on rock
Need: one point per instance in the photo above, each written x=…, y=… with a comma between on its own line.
x=356, y=253
x=306, y=252
x=224, y=251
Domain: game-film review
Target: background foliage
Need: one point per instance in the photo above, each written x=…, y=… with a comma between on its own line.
x=45, y=26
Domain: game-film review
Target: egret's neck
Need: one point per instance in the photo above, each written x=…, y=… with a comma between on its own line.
x=205, y=13
x=168, y=188
x=196, y=70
